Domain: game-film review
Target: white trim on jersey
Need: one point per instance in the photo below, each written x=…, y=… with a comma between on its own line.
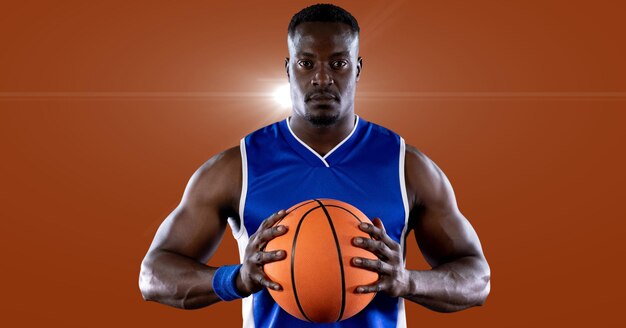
x=244, y=193
x=247, y=312
x=401, y=322
x=241, y=235
x=237, y=231
x=356, y=123
x=323, y=159
x=405, y=199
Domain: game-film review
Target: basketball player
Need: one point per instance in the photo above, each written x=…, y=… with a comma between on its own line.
x=323, y=150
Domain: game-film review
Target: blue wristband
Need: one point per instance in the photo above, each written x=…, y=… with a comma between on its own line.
x=225, y=282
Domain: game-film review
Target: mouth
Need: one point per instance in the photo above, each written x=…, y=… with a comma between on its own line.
x=322, y=97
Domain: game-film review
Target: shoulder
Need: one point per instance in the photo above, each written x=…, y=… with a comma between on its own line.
x=417, y=158
x=426, y=183
x=379, y=129
x=224, y=162
x=271, y=131
x=218, y=180
x=379, y=137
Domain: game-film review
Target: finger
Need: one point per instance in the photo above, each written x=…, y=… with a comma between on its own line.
x=270, y=221
x=378, y=223
x=373, y=288
x=377, y=247
x=385, y=237
x=260, y=258
x=378, y=232
x=372, y=230
x=269, y=234
x=261, y=279
x=373, y=265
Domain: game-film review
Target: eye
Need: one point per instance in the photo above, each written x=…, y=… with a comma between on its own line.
x=339, y=64
x=305, y=63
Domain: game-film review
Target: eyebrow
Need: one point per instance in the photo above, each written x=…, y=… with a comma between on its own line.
x=336, y=54
x=305, y=54
x=340, y=54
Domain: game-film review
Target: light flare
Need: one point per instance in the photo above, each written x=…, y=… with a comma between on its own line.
x=282, y=95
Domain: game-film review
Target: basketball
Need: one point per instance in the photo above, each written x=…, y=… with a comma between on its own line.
x=317, y=277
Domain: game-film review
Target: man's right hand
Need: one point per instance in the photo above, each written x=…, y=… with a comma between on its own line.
x=251, y=276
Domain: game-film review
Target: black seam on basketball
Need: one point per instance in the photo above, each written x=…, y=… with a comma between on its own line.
x=343, y=278
x=281, y=219
x=345, y=209
x=309, y=202
x=293, y=256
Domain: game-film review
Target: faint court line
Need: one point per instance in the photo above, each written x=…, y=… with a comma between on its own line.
x=156, y=94
x=365, y=95
x=491, y=95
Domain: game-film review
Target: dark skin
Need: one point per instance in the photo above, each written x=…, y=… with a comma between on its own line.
x=323, y=70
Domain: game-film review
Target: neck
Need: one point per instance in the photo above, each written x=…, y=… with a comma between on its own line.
x=322, y=138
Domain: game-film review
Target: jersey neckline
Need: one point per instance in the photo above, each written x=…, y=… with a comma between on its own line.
x=311, y=155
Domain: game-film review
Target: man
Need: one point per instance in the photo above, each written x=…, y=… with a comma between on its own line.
x=322, y=151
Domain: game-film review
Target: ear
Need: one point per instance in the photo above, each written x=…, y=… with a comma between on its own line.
x=359, y=67
x=287, y=66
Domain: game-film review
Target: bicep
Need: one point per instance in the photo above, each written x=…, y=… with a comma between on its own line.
x=442, y=233
x=196, y=226
x=445, y=235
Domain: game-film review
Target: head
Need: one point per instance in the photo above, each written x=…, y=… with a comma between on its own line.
x=323, y=66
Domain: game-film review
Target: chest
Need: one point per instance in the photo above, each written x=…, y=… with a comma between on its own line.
x=368, y=182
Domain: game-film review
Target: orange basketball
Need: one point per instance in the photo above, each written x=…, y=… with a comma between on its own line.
x=317, y=277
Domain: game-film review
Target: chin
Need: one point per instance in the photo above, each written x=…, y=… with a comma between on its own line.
x=322, y=117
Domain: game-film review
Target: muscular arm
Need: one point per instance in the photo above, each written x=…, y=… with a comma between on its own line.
x=173, y=271
x=460, y=275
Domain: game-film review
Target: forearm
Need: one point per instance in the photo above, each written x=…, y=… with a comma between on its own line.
x=452, y=286
x=176, y=280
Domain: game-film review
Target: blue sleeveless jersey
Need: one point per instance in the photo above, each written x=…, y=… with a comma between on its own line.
x=279, y=170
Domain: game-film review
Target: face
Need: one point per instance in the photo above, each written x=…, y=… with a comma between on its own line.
x=323, y=70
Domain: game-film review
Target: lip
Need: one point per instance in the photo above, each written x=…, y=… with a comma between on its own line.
x=322, y=97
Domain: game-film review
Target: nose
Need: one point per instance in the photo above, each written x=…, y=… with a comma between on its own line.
x=321, y=77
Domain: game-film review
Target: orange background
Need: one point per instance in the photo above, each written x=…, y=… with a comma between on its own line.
x=108, y=107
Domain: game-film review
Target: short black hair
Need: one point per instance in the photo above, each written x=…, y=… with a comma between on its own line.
x=323, y=12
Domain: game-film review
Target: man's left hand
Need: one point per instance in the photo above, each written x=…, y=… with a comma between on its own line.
x=393, y=277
